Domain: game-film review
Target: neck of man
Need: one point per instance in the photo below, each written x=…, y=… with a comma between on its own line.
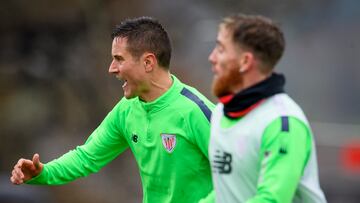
x=159, y=82
x=250, y=79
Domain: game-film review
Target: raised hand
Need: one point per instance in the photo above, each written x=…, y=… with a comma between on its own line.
x=26, y=169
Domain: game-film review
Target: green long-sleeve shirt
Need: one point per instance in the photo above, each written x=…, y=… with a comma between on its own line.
x=169, y=138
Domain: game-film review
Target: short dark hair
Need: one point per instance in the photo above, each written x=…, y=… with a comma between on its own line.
x=259, y=34
x=145, y=34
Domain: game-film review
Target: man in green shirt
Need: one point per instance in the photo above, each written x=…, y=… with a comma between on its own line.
x=164, y=122
x=261, y=147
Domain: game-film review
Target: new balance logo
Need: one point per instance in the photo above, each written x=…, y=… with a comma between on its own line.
x=222, y=162
x=135, y=138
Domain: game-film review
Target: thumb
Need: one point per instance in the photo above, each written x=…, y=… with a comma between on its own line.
x=36, y=161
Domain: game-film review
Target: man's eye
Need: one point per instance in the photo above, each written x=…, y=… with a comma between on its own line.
x=118, y=58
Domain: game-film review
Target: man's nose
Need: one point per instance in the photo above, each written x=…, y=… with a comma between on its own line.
x=212, y=57
x=113, y=68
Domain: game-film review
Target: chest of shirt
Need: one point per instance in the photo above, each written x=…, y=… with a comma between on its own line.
x=161, y=140
x=237, y=148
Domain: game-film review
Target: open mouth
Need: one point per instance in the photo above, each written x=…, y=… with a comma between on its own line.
x=125, y=83
x=123, y=80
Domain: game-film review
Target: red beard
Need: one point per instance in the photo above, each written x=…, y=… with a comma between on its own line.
x=225, y=84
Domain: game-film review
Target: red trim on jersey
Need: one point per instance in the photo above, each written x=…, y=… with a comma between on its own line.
x=245, y=111
x=226, y=99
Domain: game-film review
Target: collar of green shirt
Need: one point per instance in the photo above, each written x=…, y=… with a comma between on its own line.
x=164, y=100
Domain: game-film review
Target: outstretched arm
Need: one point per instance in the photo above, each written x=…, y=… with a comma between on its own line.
x=103, y=145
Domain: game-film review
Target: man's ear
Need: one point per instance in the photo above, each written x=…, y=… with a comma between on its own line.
x=246, y=61
x=150, y=61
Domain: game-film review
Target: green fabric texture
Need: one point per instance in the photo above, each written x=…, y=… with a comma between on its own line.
x=283, y=157
x=209, y=199
x=178, y=174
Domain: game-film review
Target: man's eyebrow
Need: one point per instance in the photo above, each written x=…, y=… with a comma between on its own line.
x=218, y=43
x=117, y=57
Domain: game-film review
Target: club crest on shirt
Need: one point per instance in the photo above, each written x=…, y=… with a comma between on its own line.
x=168, y=141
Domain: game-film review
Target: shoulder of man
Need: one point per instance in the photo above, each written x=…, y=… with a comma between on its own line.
x=194, y=101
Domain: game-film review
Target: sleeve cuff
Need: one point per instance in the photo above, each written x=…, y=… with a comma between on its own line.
x=39, y=179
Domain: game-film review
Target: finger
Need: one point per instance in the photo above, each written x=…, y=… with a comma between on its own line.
x=18, y=173
x=18, y=181
x=36, y=160
x=14, y=179
x=14, y=174
x=21, y=181
x=24, y=163
x=19, y=163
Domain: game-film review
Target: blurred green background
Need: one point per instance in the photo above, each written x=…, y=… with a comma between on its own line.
x=55, y=89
